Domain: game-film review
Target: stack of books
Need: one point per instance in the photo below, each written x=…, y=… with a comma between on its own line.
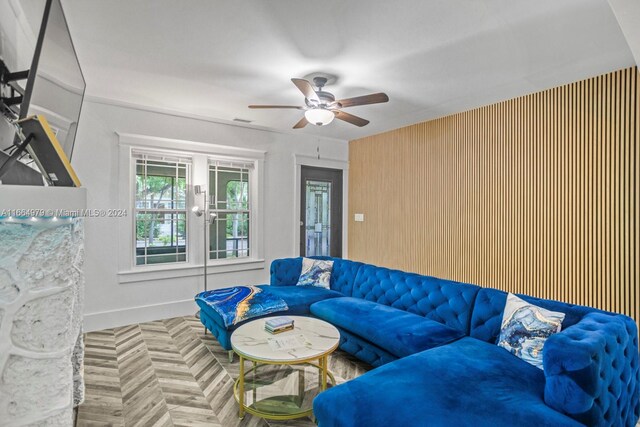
x=278, y=324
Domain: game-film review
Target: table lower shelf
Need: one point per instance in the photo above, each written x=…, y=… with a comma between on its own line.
x=281, y=391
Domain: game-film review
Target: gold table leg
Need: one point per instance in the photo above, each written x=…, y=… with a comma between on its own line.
x=324, y=362
x=300, y=385
x=241, y=389
x=255, y=387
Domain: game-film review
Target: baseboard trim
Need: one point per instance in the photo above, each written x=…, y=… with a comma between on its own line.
x=146, y=313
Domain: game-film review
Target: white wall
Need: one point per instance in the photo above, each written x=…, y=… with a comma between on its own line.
x=627, y=13
x=109, y=302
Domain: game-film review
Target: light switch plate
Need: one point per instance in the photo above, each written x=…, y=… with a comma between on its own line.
x=358, y=217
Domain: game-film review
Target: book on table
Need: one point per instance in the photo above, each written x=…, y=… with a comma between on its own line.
x=275, y=322
x=278, y=330
x=278, y=324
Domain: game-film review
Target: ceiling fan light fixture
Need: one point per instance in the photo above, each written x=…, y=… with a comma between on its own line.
x=321, y=107
x=319, y=116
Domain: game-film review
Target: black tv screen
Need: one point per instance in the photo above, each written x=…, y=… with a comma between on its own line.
x=34, y=36
x=56, y=89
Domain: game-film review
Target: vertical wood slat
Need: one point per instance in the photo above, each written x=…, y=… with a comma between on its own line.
x=536, y=195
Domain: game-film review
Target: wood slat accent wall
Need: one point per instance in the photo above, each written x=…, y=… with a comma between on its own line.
x=535, y=195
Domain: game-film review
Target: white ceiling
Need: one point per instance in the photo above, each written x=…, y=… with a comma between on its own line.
x=214, y=57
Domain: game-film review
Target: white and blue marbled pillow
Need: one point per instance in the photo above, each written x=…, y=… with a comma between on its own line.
x=526, y=327
x=315, y=272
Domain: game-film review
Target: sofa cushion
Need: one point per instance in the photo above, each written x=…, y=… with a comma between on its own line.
x=298, y=299
x=465, y=383
x=441, y=300
x=396, y=331
x=489, y=308
x=286, y=272
x=526, y=327
x=315, y=272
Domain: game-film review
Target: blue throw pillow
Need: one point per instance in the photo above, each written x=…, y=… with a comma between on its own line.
x=525, y=328
x=315, y=272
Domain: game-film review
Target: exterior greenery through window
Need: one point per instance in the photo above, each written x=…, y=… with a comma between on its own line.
x=160, y=210
x=230, y=206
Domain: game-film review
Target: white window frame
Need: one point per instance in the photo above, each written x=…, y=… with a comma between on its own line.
x=200, y=154
x=178, y=158
x=253, y=185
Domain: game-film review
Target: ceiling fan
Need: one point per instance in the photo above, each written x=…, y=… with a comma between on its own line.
x=321, y=106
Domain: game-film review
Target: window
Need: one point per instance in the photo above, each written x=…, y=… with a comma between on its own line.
x=160, y=209
x=169, y=232
x=230, y=208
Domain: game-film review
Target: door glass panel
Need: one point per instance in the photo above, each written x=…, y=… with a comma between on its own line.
x=318, y=218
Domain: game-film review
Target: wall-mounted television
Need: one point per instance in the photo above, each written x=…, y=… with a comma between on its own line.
x=37, y=29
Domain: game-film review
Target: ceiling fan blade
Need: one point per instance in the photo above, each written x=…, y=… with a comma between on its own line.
x=302, y=123
x=306, y=88
x=350, y=118
x=276, y=106
x=374, y=98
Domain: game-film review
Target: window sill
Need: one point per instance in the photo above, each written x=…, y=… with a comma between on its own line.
x=144, y=274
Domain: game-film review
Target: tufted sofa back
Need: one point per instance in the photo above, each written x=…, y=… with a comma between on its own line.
x=441, y=300
x=286, y=272
x=489, y=307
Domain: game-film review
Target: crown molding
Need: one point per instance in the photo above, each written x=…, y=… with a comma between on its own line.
x=172, y=144
x=183, y=114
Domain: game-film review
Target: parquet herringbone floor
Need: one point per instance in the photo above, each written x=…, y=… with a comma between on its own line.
x=169, y=373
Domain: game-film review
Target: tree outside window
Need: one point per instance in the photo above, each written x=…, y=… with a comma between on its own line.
x=230, y=204
x=161, y=211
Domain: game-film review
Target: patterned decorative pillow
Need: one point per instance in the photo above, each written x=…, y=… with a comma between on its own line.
x=315, y=272
x=525, y=328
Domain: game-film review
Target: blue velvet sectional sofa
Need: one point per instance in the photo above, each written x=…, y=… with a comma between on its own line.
x=433, y=344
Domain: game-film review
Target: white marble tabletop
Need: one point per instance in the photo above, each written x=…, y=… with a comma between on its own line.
x=252, y=341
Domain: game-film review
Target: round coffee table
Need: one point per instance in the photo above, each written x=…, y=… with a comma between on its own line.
x=285, y=377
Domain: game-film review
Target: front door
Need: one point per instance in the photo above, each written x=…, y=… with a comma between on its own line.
x=321, y=212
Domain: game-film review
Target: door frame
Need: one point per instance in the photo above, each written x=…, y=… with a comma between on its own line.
x=302, y=160
x=336, y=219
